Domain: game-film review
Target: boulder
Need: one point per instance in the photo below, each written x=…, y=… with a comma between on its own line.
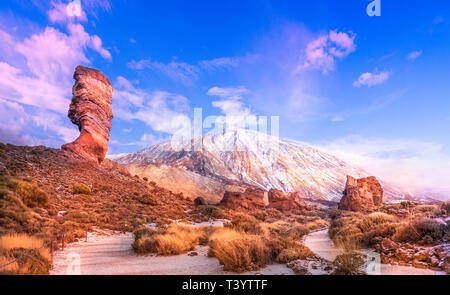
x=200, y=201
x=285, y=202
x=365, y=194
x=251, y=199
x=387, y=246
x=91, y=111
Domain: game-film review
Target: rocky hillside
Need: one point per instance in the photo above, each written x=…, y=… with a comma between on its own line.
x=48, y=192
x=245, y=158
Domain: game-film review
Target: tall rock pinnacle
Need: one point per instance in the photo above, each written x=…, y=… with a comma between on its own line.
x=90, y=110
x=365, y=194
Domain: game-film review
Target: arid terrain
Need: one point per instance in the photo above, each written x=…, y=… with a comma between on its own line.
x=267, y=208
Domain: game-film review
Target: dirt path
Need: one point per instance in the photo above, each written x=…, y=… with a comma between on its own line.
x=112, y=255
x=320, y=243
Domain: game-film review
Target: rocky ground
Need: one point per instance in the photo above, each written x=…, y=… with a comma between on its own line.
x=79, y=195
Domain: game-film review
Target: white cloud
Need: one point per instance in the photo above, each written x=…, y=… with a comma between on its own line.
x=178, y=71
x=53, y=122
x=51, y=57
x=415, y=166
x=322, y=52
x=16, y=124
x=36, y=73
x=234, y=93
x=162, y=111
x=371, y=79
x=237, y=114
x=414, y=55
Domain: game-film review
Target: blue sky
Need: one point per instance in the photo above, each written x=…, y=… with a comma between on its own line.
x=372, y=90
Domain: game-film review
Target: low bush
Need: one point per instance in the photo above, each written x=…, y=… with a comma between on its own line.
x=212, y=212
x=349, y=263
x=429, y=210
x=81, y=188
x=246, y=223
x=446, y=207
x=317, y=224
x=174, y=240
x=32, y=196
x=33, y=258
x=294, y=252
x=239, y=251
x=417, y=229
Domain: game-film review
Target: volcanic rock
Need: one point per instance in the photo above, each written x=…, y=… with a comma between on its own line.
x=365, y=194
x=90, y=110
x=200, y=201
x=251, y=199
x=285, y=202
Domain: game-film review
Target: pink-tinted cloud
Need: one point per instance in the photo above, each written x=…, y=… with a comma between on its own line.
x=36, y=73
x=372, y=79
x=322, y=52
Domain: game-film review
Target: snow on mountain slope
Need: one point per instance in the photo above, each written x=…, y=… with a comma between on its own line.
x=249, y=158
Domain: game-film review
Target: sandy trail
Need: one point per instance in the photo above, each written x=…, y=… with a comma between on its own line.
x=111, y=254
x=320, y=243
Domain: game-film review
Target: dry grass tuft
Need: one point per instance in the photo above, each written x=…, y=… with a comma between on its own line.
x=239, y=251
x=176, y=239
x=33, y=257
x=349, y=263
x=422, y=229
x=246, y=223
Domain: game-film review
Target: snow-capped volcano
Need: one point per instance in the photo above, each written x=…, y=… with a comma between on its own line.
x=211, y=164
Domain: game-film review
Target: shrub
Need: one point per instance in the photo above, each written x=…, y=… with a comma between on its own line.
x=374, y=219
x=428, y=209
x=317, y=224
x=373, y=236
x=446, y=207
x=417, y=229
x=239, y=251
x=174, y=240
x=348, y=237
x=212, y=212
x=11, y=206
x=349, y=263
x=246, y=223
x=298, y=231
x=295, y=252
x=80, y=188
x=34, y=258
x=32, y=196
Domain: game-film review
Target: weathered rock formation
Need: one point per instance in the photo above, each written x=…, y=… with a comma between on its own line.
x=251, y=199
x=90, y=110
x=405, y=254
x=285, y=202
x=365, y=194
